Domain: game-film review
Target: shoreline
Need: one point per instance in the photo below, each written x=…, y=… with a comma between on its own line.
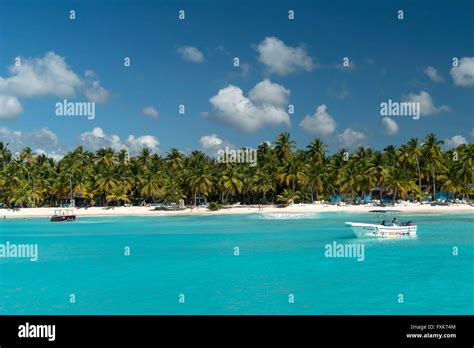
x=410, y=208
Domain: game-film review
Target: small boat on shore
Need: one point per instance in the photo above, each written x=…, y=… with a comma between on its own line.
x=63, y=215
x=383, y=229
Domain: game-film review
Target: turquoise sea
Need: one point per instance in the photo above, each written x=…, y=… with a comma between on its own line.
x=280, y=254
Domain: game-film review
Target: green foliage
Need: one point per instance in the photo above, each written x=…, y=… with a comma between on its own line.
x=284, y=173
x=214, y=206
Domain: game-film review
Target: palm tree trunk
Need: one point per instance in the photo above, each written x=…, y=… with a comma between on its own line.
x=419, y=175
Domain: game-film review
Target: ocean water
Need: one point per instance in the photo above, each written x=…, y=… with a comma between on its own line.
x=280, y=254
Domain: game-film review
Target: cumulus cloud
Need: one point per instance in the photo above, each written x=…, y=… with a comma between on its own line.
x=463, y=74
x=57, y=156
x=427, y=106
x=265, y=105
x=391, y=127
x=93, y=91
x=135, y=144
x=433, y=74
x=191, y=54
x=210, y=141
x=38, y=138
x=151, y=112
x=49, y=75
x=96, y=139
x=282, y=59
x=351, y=138
x=211, y=144
x=10, y=107
x=455, y=141
x=267, y=93
x=321, y=122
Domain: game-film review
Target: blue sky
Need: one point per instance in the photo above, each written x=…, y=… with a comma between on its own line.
x=190, y=62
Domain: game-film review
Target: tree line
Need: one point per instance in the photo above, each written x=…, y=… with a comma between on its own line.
x=284, y=173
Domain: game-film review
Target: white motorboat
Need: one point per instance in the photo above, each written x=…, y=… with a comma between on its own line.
x=385, y=228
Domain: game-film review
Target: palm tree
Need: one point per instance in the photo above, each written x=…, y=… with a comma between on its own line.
x=399, y=183
x=150, y=185
x=231, y=181
x=317, y=151
x=378, y=170
x=287, y=197
x=175, y=160
x=200, y=182
x=5, y=154
x=284, y=146
x=293, y=173
x=283, y=173
x=105, y=157
x=262, y=184
x=317, y=180
x=414, y=154
x=351, y=179
x=464, y=167
x=432, y=155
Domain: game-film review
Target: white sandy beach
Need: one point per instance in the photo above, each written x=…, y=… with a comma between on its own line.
x=239, y=209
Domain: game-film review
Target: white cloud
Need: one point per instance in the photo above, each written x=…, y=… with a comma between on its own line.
x=10, y=107
x=191, y=54
x=53, y=154
x=211, y=144
x=427, y=106
x=264, y=106
x=97, y=139
x=150, y=111
x=282, y=59
x=43, y=137
x=455, y=141
x=136, y=144
x=17, y=140
x=350, y=138
x=433, y=74
x=391, y=127
x=49, y=75
x=463, y=75
x=321, y=122
x=92, y=88
x=210, y=141
x=267, y=93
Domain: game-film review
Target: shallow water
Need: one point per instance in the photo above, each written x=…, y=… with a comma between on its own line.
x=280, y=254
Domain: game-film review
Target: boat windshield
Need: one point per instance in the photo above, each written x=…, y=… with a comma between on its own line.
x=387, y=217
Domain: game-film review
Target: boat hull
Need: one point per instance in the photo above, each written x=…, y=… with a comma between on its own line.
x=362, y=230
x=61, y=218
